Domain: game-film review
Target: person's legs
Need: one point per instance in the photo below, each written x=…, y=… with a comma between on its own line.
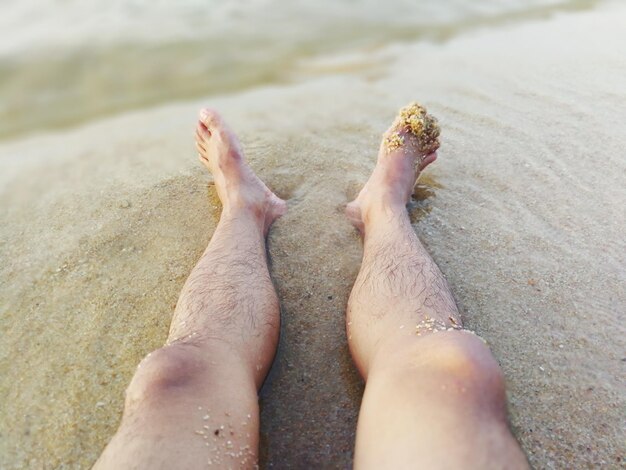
x=434, y=395
x=193, y=402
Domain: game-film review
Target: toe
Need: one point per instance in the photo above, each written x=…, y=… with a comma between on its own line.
x=214, y=124
x=200, y=149
x=202, y=134
x=427, y=160
x=210, y=118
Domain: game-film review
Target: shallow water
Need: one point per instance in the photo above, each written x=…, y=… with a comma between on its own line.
x=524, y=211
x=72, y=61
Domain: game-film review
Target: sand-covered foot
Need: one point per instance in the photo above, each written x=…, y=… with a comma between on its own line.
x=238, y=188
x=407, y=147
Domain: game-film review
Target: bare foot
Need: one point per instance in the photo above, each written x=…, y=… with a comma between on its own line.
x=397, y=169
x=237, y=186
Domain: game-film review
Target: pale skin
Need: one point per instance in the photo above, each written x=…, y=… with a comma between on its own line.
x=433, y=399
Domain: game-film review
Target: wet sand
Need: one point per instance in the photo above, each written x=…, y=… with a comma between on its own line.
x=524, y=211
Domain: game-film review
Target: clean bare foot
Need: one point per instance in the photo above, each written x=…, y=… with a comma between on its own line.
x=401, y=158
x=237, y=186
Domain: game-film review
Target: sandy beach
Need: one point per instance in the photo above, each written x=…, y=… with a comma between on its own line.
x=524, y=211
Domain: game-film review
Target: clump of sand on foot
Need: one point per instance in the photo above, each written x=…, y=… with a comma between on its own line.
x=415, y=121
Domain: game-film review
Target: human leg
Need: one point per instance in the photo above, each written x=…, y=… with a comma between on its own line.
x=434, y=394
x=193, y=402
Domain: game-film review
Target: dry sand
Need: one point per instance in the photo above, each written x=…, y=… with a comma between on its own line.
x=524, y=211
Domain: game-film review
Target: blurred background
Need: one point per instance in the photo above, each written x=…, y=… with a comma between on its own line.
x=73, y=61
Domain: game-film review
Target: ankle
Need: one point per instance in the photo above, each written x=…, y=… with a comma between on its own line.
x=243, y=211
x=382, y=209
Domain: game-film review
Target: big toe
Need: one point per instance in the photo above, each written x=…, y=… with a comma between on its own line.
x=210, y=118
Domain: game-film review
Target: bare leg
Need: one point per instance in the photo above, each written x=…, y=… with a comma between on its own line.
x=193, y=403
x=434, y=394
